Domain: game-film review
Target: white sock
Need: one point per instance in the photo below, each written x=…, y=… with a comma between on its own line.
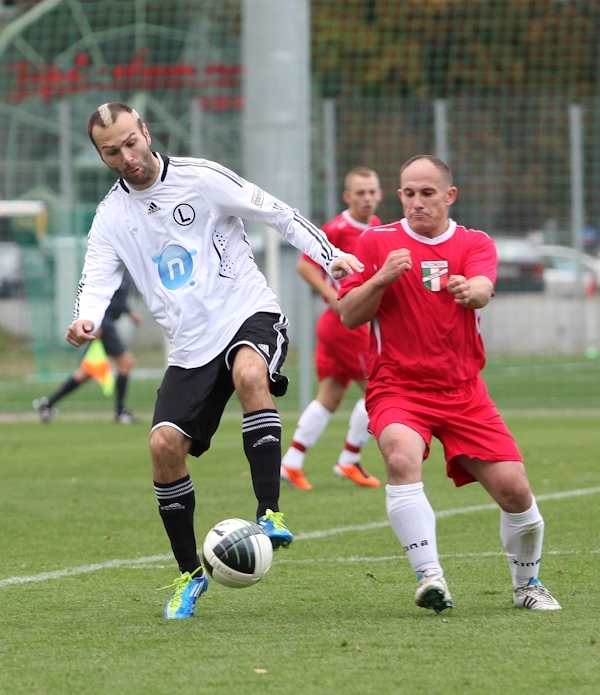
x=357, y=435
x=413, y=521
x=523, y=536
x=310, y=427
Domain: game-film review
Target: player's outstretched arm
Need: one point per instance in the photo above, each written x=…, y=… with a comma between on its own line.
x=361, y=303
x=473, y=293
x=232, y=196
x=80, y=332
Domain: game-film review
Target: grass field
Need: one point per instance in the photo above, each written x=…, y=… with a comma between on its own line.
x=556, y=382
x=84, y=552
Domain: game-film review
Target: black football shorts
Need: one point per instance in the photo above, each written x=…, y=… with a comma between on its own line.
x=193, y=400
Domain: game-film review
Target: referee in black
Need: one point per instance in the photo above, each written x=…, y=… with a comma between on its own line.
x=115, y=348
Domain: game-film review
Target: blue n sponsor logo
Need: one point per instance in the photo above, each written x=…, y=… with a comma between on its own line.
x=175, y=266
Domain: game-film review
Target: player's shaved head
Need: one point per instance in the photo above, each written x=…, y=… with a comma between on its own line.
x=365, y=172
x=106, y=114
x=438, y=163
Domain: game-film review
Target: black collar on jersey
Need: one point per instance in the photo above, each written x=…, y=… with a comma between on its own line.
x=166, y=161
x=162, y=176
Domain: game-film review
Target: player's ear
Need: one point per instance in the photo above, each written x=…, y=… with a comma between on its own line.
x=451, y=195
x=346, y=197
x=146, y=133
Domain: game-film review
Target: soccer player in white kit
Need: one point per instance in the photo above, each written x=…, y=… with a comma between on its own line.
x=176, y=225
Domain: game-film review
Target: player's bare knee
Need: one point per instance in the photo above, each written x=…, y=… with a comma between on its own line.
x=157, y=442
x=251, y=380
x=125, y=363
x=401, y=467
x=514, y=496
x=166, y=442
x=331, y=403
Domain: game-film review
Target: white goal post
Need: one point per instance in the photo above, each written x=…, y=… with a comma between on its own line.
x=27, y=208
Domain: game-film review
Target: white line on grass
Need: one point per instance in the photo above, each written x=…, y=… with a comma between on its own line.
x=445, y=514
x=141, y=561
x=84, y=569
x=386, y=558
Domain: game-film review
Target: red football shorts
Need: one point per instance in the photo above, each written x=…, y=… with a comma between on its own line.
x=341, y=353
x=465, y=420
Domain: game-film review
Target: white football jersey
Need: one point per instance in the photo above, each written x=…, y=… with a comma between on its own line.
x=183, y=241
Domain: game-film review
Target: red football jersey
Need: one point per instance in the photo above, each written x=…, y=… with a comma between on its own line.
x=420, y=337
x=343, y=231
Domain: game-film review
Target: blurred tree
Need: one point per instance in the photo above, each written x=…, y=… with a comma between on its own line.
x=445, y=47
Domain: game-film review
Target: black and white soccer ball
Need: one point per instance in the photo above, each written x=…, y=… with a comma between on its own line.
x=237, y=553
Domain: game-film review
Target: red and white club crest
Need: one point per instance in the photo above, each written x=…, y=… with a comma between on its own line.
x=434, y=275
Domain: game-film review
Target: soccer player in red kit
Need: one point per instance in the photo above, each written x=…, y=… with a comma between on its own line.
x=341, y=355
x=425, y=280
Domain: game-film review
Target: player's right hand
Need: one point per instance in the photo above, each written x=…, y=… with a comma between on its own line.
x=80, y=333
x=397, y=262
x=345, y=265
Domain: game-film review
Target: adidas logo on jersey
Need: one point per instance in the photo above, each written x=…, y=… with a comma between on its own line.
x=264, y=348
x=153, y=208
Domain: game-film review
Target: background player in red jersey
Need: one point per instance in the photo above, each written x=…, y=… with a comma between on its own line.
x=341, y=355
x=424, y=282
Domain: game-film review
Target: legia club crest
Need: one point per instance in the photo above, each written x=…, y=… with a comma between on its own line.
x=434, y=275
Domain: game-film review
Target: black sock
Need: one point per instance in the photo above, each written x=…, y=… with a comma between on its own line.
x=261, y=431
x=69, y=385
x=176, y=504
x=121, y=389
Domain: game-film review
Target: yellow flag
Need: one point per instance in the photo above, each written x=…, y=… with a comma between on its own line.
x=97, y=365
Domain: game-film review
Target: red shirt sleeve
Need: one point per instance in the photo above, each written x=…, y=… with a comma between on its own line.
x=357, y=279
x=483, y=257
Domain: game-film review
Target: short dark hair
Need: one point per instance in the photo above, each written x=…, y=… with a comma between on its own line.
x=438, y=163
x=106, y=114
x=358, y=171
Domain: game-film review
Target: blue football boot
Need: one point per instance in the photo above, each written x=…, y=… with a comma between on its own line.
x=188, y=589
x=272, y=524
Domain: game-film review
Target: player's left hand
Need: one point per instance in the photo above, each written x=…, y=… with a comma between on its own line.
x=459, y=286
x=346, y=265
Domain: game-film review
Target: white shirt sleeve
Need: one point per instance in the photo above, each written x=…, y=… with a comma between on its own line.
x=101, y=277
x=232, y=196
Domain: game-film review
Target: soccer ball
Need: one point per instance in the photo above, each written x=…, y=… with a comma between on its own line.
x=237, y=553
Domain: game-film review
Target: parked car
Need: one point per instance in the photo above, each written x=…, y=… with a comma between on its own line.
x=520, y=266
x=569, y=272
x=11, y=273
